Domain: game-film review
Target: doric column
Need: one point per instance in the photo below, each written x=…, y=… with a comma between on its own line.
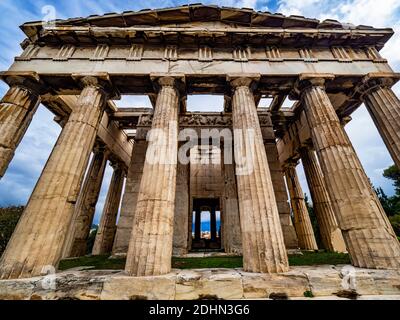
x=330, y=233
x=281, y=196
x=197, y=224
x=302, y=222
x=181, y=218
x=76, y=242
x=213, y=224
x=262, y=238
x=107, y=227
x=38, y=239
x=16, y=111
x=129, y=199
x=150, y=246
x=369, y=237
x=384, y=108
x=231, y=233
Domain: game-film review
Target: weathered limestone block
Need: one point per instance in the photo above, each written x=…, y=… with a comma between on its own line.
x=129, y=199
x=123, y=287
x=369, y=281
x=208, y=284
x=278, y=181
x=75, y=244
x=38, y=239
x=16, y=112
x=262, y=286
x=181, y=218
x=323, y=280
x=302, y=222
x=367, y=232
x=19, y=289
x=262, y=238
x=384, y=108
x=107, y=227
x=150, y=246
x=330, y=233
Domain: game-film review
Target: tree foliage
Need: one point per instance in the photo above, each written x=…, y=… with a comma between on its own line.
x=8, y=220
x=391, y=205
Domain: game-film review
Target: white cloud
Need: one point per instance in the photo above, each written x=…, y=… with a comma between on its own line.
x=361, y=130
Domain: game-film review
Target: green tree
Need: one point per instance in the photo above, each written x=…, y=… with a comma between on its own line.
x=392, y=204
x=8, y=221
x=91, y=239
x=393, y=173
x=314, y=222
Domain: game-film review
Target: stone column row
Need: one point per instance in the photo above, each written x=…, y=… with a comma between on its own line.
x=302, y=222
x=331, y=235
x=367, y=232
x=37, y=242
x=129, y=199
x=278, y=181
x=76, y=242
x=107, y=227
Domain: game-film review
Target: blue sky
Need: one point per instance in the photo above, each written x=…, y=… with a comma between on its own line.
x=18, y=183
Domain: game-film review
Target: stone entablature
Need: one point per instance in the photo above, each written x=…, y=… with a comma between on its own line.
x=138, y=52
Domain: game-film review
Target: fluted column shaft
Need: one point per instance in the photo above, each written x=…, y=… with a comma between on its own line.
x=150, y=247
x=16, y=112
x=107, y=227
x=129, y=199
x=197, y=225
x=384, y=107
x=213, y=224
x=302, y=221
x=181, y=219
x=231, y=234
x=278, y=181
x=331, y=235
x=262, y=238
x=367, y=232
x=76, y=243
x=39, y=237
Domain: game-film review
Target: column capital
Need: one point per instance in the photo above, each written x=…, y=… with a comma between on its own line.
x=117, y=165
x=99, y=80
x=30, y=81
x=237, y=80
x=99, y=147
x=174, y=80
x=345, y=120
x=310, y=80
x=290, y=164
x=376, y=80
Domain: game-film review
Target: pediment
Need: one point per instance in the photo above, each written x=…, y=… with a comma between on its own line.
x=195, y=16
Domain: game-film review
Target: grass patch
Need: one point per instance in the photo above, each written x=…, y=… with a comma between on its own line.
x=207, y=262
x=310, y=258
x=307, y=259
x=98, y=262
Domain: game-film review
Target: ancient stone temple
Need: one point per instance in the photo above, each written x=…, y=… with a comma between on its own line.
x=239, y=165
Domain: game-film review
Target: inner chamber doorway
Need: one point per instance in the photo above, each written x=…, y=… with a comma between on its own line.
x=206, y=224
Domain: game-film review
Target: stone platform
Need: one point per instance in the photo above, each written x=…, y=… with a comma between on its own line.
x=319, y=282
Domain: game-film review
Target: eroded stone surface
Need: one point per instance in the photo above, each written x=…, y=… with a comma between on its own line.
x=310, y=282
x=209, y=284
